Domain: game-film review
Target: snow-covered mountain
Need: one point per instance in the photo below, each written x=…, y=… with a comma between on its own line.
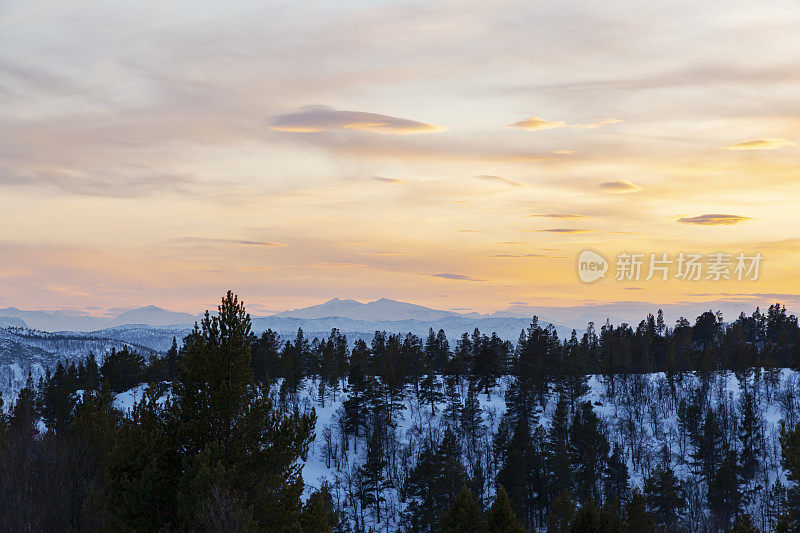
x=76, y=321
x=379, y=310
x=24, y=351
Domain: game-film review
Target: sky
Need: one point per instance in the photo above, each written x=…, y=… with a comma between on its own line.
x=459, y=155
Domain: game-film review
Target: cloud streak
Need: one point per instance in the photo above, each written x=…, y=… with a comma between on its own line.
x=760, y=144
x=713, y=220
x=459, y=277
x=538, y=124
x=620, y=186
x=315, y=119
x=500, y=179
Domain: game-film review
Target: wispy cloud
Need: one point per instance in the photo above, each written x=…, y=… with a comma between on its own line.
x=312, y=119
x=335, y=264
x=760, y=144
x=558, y=215
x=537, y=123
x=461, y=277
x=211, y=240
x=517, y=256
x=394, y=181
x=569, y=231
x=500, y=179
x=620, y=186
x=713, y=220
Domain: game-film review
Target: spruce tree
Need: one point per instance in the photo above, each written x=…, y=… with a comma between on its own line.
x=790, y=459
x=724, y=496
x=615, y=482
x=557, y=448
x=501, y=517
x=749, y=439
x=560, y=513
x=637, y=519
x=318, y=513
x=374, y=480
x=472, y=426
x=588, y=449
x=665, y=497
x=464, y=516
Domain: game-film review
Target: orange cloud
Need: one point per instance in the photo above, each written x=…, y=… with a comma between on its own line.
x=500, y=179
x=620, y=186
x=460, y=277
x=538, y=123
x=713, y=220
x=760, y=144
x=313, y=119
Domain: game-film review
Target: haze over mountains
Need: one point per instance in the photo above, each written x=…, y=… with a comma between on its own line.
x=348, y=314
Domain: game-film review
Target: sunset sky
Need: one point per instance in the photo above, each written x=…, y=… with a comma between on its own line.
x=457, y=155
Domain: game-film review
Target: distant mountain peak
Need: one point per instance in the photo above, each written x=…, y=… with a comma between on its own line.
x=378, y=310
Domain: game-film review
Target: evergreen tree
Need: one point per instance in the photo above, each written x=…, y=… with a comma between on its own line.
x=561, y=513
x=464, y=516
x=374, y=480
x=518, y=472
x=557, y=448
x=588, y=449
x=637, y=519
x=501, y=517
x=744, y=525
x=790, y=458
x=615, y=482
x=266, y=358
x=665, y=497
x=472, y=426
x=592, y=519
x=724, y=496
x=219, y=451
x=434, y=482
x=709, y=449
x=749, y=438
x=318, y=513
x=430, y=392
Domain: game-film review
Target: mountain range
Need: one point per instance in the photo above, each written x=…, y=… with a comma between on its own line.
x=367, y=315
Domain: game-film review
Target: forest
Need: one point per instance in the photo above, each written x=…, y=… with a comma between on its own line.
x=693, y=426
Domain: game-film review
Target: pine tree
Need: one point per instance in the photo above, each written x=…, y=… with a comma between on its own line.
x=430, y=392
x=724, y=496
x=592, y=519
x=557, y=448
x=709, y=449
x=790, y=459
x=501, y=517
x=518, y=472
x=561, y=513
x=615, y=482
x=637, y=519
x=374, y=481
x=472, y=426
x=464, y=516
x=588, y=449
x=318, y=513
x=452, y=411
x=665, y=497
x=23, y=415
x=218, y=450
x=749, y=438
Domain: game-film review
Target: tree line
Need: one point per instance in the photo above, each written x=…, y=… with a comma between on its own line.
x=224, y=450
